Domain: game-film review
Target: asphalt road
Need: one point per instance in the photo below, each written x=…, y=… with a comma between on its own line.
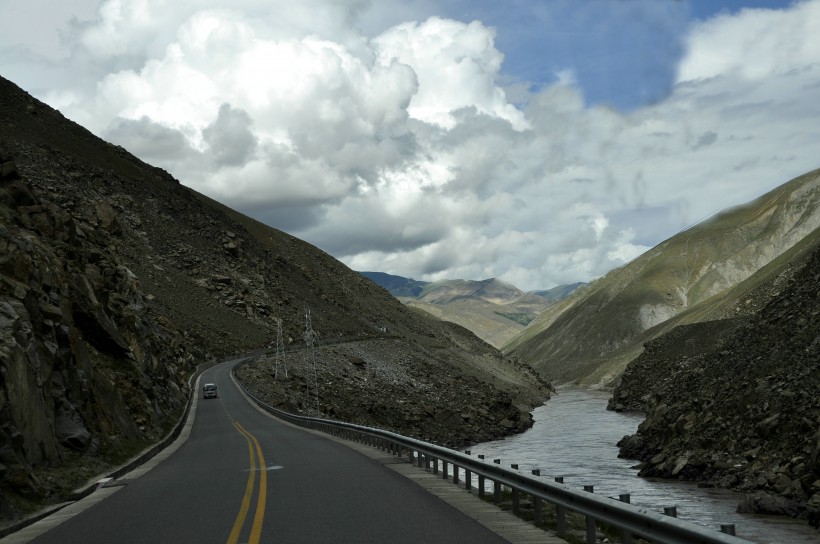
x=244, y=477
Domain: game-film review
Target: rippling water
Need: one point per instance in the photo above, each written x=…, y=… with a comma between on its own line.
x=574, y=436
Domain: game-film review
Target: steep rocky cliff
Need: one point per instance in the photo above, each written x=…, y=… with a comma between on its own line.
x=736, y=402
x=87, y=368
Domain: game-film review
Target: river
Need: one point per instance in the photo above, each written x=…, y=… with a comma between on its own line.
x=574, y=436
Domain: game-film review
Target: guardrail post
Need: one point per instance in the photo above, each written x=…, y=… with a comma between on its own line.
x=497, y=486
x=455, y=474
x=626, y=536
x=590, y=521
x=516, y=496
x=728, y=528
x=444, y=469
x=468, y=476
x=419, y=459
x=560, y=512
x=435, y=465
x=671, y=511
x=480, y=485
x=516, y=500
x=537, y=503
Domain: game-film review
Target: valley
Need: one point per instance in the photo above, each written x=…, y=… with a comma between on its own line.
x=118, y=281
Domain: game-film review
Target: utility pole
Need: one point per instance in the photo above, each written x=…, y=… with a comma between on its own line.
x=311, y=383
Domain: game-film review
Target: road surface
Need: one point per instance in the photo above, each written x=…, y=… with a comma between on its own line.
x=244, y=477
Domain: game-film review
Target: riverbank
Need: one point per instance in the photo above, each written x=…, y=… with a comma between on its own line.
x=735, y=403
x=574, y=436
x=392, y=385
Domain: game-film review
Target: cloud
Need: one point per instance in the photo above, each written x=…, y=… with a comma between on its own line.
x=753, y=44
x=404, y=151
x=146, y=138
x=456, y=65
x=229, y=138
x=706, y=139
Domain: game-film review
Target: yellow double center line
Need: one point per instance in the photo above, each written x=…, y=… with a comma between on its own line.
x=259, y=515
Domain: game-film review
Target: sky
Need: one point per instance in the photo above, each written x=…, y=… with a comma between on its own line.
x=539, y=142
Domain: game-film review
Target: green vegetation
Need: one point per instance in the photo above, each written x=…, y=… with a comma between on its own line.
x=521, y=319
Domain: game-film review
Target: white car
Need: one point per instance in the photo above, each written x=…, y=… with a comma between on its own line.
x=209, y=391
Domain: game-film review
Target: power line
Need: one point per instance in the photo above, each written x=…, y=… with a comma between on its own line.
x=311, y=383
x=279, y=355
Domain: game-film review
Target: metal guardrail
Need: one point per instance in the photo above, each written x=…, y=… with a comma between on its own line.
x=631, y=520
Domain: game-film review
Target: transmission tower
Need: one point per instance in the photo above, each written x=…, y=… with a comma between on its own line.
x=311, y=384
x=279, y=355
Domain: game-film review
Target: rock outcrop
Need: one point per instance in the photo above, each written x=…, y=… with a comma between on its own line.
x=85, y=366
x=411, y=390
x=736, y=403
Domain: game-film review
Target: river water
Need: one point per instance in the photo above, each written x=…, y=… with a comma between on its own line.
x=574, y=436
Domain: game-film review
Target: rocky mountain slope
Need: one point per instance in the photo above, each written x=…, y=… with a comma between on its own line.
x=116, y=281
x=397, y=285
x=736, y=402
x=590, y=336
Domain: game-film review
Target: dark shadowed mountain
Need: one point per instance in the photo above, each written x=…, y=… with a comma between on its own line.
x=397, y=285
x=116, y=282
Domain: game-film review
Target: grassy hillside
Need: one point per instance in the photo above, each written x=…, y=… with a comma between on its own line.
x=591, y=335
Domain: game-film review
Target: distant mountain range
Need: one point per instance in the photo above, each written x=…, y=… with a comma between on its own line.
x=493, y=310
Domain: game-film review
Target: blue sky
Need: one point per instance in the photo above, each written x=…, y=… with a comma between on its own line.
x=541, y=142
x=622, y=53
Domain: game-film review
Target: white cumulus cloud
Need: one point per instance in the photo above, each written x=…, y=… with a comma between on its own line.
x=403, y=151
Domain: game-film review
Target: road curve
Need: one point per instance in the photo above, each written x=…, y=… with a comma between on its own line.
x=245, y=477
